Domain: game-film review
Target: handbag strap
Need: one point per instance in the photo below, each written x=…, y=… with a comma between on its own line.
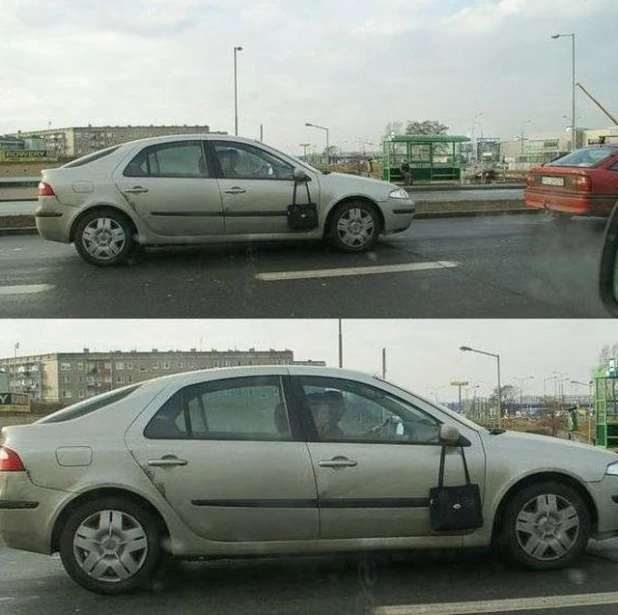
x=308, y=193
x=441, y=472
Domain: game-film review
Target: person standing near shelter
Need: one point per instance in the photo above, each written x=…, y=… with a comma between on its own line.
x=406, y=171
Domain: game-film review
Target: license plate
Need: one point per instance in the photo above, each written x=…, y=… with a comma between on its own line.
x=552, y=181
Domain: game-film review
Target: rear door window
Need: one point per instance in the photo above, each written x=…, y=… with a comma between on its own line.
x=178, y=159
x=251, y=408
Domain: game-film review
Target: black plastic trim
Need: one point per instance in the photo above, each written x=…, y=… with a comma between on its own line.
x=17, y=504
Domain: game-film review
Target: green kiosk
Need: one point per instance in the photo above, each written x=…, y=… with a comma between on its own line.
x=431, y=157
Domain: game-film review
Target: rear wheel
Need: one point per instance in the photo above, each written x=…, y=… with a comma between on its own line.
x=104, y=238
x=354, y=226
x=546, y=525
x=111, y=546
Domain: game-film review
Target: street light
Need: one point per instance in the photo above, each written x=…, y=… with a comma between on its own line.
x=474, y=153
x=236, y=50
x=522, y=135
x=572, y=37
x=327, y=142
x=521, y=389
x=497, y=357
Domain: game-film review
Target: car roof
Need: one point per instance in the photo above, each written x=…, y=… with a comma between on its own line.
x=189, y=137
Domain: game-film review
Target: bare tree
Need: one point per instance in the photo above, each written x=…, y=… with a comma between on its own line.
x=426, y=127
x=395, y=127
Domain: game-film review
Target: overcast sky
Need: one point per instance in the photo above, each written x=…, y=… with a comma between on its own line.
x=349, y=65
x=421, y=354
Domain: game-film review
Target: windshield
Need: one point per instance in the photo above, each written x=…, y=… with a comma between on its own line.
x=588, y=157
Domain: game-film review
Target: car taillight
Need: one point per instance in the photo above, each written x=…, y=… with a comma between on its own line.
x=45, y=189
x=530, y=180
x=10, y=461
x=582, y=183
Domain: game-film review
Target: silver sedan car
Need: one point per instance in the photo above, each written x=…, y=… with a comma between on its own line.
x=286, y=459
x=209, y=188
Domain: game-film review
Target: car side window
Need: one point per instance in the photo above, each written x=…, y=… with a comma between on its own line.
x=343, y=410
x=614, y=167
x=250, y=408
x=181, y=159
x=238, y=160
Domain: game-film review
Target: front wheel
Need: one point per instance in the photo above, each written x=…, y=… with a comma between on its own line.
x=546, y=526
x=104, y=238
x=111, y=546
x=354, y=226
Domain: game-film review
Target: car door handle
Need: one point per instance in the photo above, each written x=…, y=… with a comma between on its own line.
x=136, y=189
x=235, y=190
x=338, y=462
x=167, y=461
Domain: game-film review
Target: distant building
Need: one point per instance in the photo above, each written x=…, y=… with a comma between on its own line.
x=4, y=381
x=80, y=140
x=71, y=376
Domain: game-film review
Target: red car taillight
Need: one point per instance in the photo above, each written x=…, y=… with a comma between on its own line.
x=582, y=183
x=45, y=189
x=10, y=461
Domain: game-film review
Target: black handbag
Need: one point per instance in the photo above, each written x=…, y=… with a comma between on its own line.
x=458, y=507
x=302, y=216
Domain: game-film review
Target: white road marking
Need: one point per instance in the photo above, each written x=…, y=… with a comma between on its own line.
x=500, y=606
x=25, y=289
x=352, y=271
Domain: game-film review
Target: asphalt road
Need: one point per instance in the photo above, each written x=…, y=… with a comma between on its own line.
x=484, y=267
x=418, y=583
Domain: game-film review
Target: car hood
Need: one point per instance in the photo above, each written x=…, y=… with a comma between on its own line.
x=368, y=185
x=531, y=452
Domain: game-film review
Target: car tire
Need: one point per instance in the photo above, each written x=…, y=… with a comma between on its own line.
x=111, y=546
x=104, y=238
x=546, y=526
x=354, y=226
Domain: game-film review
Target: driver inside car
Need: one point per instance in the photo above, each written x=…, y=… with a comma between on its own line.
x=327, y=409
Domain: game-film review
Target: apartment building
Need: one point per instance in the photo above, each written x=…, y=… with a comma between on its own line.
x=80, y=140
x=70, y=376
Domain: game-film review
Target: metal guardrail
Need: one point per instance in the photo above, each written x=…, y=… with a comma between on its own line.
x=20, y=182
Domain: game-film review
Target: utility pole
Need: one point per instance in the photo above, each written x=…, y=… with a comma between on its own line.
x=340, y=345
x=383, y=363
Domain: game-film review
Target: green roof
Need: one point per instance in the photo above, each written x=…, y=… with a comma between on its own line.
x=427, y=139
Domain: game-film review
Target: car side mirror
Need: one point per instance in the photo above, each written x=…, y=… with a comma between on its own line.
x=449, y=435
x=608, y=268
x=300, y=175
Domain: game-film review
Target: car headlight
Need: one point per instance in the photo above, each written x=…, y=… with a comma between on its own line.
x=398, y=193
x=612, y=469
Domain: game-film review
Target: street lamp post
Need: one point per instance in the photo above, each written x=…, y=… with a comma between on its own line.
x=521, y=138
x=497, y=357
x=236, y=50
x=590, y=409
x=521, y=389
x=327, y=141
x=573, y=85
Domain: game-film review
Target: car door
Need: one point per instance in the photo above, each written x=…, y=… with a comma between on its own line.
x=172, y=188
x=376, y=459
x=256, y=188
x=226, y=456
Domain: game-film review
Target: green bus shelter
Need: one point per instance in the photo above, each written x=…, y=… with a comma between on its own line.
x=431, y=157
x=606, y=408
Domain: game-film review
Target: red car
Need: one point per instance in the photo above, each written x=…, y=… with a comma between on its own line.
x=583, y=183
